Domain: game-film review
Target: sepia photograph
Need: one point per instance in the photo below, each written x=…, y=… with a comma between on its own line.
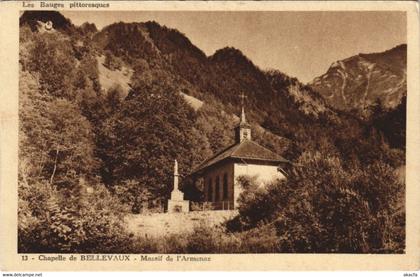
x=212, y=132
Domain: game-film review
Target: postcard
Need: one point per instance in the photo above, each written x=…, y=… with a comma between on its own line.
x=153, y=135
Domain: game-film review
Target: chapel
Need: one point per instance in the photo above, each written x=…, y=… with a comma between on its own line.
x=245, y=157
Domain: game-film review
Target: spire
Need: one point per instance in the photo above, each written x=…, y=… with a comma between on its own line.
x=243, y=118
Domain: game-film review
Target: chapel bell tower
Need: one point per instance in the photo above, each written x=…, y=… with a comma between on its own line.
x=243, y=130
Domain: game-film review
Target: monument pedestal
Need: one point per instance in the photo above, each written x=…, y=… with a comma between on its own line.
x=177, y=204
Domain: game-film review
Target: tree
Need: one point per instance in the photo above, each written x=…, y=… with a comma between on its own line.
x=142, y=139
x=55, y=138
x=56, y=150
x=52, y=57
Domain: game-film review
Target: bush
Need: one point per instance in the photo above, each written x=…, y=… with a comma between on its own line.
x=261, y=239
x=323, y=208
x=69, y=220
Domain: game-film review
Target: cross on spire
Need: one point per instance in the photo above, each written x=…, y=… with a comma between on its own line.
x=242, y=96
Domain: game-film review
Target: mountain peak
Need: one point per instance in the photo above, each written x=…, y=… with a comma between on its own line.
x=228, y=53
x=398, y=48
x=231, y=56
x=359, y=82
x=171, y=40
x=146, y=40
x=88, y=28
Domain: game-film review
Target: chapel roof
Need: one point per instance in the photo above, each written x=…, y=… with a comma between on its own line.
x=248, y=150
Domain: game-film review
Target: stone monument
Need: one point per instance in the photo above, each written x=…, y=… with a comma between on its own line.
x=177, y=204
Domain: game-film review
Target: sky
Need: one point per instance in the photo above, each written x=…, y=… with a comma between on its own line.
x=300, y=44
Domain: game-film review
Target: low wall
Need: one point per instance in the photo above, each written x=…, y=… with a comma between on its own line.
x=160, y=224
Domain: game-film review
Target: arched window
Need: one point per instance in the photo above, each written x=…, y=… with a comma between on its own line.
x=217, y=196
x=225, y=186
x=209, y=190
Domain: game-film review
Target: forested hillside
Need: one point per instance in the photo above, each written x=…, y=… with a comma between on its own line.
x=103, y=114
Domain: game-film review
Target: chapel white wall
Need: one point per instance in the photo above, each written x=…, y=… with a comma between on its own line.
x=262, y=173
